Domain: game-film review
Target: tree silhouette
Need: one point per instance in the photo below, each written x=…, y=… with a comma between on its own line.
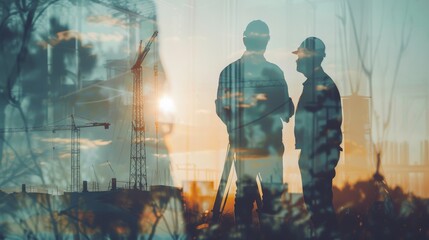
x=25, y=85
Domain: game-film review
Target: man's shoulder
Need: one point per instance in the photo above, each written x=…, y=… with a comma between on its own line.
x=237, y=64
x=273, y=67
x=273, y=73
x=232, y=66
x=230, y=72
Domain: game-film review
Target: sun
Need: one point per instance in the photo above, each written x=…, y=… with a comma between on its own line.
x=166, y=105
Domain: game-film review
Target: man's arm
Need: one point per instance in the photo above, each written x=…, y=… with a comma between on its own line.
x=222, y=110
x=290, y=110
x=333, y=115
x=289, y=107
x=336, y=119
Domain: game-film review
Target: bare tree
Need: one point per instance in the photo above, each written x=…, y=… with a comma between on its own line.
x=17, y=22
x=371, y=59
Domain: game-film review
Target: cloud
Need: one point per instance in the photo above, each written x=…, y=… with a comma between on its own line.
x=160, y=155
x=56, y=140
x=65, y=156
x=85, y=143
x=107, y=20
x=84, y=37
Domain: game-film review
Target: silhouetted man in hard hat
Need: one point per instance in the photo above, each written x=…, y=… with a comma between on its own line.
x=318, y=134
x=253, y=101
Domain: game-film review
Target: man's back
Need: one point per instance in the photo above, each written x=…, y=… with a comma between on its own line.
x=318, y=116
x=253, y=98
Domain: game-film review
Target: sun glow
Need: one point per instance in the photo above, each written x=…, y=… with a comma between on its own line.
x=166, y=105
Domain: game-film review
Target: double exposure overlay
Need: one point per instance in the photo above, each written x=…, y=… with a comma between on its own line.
x=227, y=119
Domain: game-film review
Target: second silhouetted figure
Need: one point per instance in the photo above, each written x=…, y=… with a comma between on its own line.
x=318, y=134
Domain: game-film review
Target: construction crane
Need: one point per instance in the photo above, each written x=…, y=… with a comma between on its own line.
x=138, y=171
x=74, y=140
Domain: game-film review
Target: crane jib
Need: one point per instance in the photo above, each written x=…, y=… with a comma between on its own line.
x=143, y=54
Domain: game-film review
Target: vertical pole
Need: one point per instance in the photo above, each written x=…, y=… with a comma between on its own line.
x=78, y=43
x=72, y=158
x=75, y=157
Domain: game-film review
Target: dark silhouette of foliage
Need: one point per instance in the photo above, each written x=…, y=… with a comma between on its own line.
x=362, y=213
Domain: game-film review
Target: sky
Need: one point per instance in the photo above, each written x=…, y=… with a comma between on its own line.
x=198, y=38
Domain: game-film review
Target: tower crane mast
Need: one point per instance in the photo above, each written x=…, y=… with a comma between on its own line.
x=138, y=171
